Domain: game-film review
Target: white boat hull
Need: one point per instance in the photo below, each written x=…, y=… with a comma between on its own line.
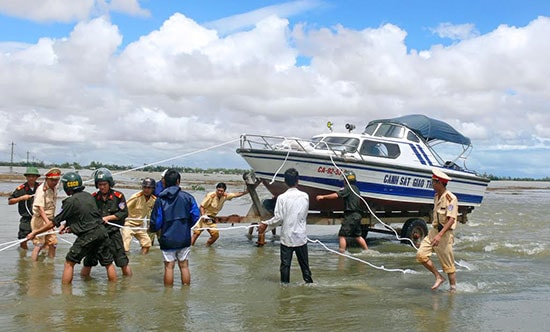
x=385, y=186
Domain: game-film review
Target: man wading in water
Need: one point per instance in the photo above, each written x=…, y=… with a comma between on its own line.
x=440, y=238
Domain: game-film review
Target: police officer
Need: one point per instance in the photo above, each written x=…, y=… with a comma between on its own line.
x=440, y=238
x=84, y=220
x=140, y=206
x=23, y=195
x=112, y=207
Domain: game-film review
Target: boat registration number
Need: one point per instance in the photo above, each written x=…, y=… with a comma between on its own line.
x=329, y=170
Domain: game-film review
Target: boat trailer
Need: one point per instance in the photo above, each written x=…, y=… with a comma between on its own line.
x=414, y=223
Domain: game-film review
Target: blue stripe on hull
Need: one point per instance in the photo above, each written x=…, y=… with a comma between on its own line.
x=425, y=155
x=368, y=188
x=417, y=154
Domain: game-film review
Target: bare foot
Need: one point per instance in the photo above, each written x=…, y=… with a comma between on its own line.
x=452, y=289
x=438, y=282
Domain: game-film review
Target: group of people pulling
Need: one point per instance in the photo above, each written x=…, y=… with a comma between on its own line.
x=105, y=223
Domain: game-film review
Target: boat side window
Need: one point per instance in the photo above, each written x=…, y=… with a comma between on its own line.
x=345, y=144
x=379, y=149
x=412, y=137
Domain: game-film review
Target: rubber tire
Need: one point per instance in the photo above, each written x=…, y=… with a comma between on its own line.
x=415, y=230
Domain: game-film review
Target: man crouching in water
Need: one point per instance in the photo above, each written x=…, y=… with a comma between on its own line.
x=84, y=220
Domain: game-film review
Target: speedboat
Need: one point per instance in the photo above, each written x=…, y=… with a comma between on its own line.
x=393, y=161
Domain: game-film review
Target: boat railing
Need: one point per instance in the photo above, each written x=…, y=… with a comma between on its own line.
x=278, y=143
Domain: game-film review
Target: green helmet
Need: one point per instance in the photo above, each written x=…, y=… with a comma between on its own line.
x=350, y=176
x=103, y=174
x=31, y=170
x=72, y=182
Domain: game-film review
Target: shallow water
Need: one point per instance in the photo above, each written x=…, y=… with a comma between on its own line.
x=503, y=283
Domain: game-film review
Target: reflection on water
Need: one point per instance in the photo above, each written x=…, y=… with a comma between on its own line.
x=235, y=286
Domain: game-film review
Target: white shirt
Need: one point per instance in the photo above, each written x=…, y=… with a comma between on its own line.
x=291, y=211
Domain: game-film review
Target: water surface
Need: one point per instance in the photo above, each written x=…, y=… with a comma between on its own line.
x=503, y=283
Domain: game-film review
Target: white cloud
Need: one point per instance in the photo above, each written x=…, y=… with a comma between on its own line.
x=48, y=10
x=185, y=86
x=456, y=31
x=130, y=7
x=68, y=10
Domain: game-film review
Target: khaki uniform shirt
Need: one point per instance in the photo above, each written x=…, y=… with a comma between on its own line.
x=212, y=204
x=46, y=198
x=445, y=206
x=139, y=208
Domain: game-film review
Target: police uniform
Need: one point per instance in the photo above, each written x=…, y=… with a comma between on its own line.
x=445, y=206
x=138, y=208
x=84, y=220
x=46, y=198
x=112, y=203
x=24, y=207
x=212, y=204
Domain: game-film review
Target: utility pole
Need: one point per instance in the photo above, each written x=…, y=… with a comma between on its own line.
x=11, y=160
x=27, y=158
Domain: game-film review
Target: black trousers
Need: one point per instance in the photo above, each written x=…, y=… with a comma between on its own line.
x=286, y=260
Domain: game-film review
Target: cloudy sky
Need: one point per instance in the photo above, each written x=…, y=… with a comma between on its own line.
x=136, y=82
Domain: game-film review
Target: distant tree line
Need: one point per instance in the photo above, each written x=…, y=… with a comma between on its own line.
x=509, y=178
x=157, y=168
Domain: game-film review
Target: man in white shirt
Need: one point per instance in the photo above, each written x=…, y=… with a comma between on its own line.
x=290, y=213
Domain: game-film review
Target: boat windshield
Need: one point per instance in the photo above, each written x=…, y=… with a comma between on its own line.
x=336, y=143
x=390, y=130
x=370, y=129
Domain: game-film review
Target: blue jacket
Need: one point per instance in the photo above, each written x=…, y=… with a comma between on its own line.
x=174, y=213
x=159, y=187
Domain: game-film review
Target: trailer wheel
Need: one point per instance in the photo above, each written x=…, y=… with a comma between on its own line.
x=415, y=230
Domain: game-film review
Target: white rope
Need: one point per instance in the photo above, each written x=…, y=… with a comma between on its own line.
x=178, y=157
x=13, y=244
x=368, y=206
x=27, y=206
x=170, y=159
x=144, y=219
x=66, y=241
x=223, y=228
x=10, y=242
x=381, y=267
x=127, y=227
x=47, y=233
x=144, y=222
x=277, y=172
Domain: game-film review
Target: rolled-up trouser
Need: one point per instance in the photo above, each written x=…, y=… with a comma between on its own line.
x=444, y=250
x=141, y=235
